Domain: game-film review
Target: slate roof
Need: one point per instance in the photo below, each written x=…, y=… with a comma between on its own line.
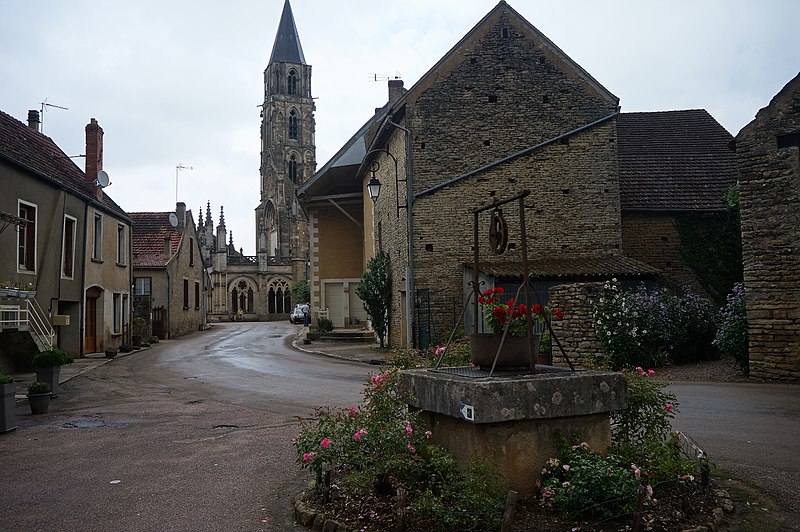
x=150, y=230
x=37, y=153
x=287, y=42
x=597, y=267
x=673, y=160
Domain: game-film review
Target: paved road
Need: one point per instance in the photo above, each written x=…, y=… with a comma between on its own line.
x=752, y=430
x=194, y=434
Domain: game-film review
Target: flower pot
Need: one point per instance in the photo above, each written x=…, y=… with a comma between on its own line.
x=39, y=402
x=50, y=375
x=136, y=340
x=8, y=416
x=513, y=356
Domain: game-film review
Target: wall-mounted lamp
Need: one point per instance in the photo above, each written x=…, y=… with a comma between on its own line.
x=374, y=185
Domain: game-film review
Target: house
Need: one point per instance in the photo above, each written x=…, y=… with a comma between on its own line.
x=170, y=279
x=504, y=113
x=768, y=158
x=66, y=239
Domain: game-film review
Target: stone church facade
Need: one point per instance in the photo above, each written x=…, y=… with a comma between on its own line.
x=258, y=285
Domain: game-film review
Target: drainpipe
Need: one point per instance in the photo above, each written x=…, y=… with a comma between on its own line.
x=82, y=317
x=410, y=242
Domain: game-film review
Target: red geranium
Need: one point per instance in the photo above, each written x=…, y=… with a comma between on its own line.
x=497, y=314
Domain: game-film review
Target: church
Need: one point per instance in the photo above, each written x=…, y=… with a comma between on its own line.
x=257, y=287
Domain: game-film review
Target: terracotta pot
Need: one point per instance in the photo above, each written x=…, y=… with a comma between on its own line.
x=514, y=355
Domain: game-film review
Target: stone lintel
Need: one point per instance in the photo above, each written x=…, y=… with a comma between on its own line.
x=554, y=393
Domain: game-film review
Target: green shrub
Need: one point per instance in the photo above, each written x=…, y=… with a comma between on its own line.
x=457, y=354
x=732, y=333
x=6, y=379
x=38, y=387
x=51, y=358
x=324, y=325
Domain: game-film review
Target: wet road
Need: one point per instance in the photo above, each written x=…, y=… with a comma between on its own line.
x=751, y=430
x=193, y=434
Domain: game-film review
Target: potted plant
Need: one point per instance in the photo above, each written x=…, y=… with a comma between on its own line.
x=509, y=318
x=8, y=392
x=48, y=367
x=138, y=331
x=39, y=394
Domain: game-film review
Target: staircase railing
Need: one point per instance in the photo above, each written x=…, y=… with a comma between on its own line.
x=29, y=317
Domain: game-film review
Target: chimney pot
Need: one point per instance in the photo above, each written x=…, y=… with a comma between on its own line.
x=33, y=119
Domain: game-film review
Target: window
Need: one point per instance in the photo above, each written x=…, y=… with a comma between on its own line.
x=196, y=295
x=26, y=257
x=121, y=247
x=97, y=243
x=125, y=312
x=117, y=313
x=141, y=286
x=191, y=251
x=293, y=124
x=291, y=84
x=68, y=247
x=185, y=294
x=293, y=169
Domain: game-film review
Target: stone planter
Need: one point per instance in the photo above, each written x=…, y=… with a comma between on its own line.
x=50, y=375
x=8, y=416
x=39, y=402
x=514, y=355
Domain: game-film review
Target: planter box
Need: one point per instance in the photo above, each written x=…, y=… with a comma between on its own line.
x=514, y=354
x=19, y=294
x=50, y=375
x=8, y=416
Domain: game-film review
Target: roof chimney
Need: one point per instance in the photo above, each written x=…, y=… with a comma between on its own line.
x=33, y=119
x=180, y=212
x=94, y=154
x=395, y=90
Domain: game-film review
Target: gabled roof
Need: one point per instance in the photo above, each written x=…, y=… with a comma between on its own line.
x=673, y=160
x=35, y=152
x=150, y=230
x=287, y=42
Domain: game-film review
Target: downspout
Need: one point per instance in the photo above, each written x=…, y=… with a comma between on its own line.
x=82, y=317
x=410, y=239
x=131, y=290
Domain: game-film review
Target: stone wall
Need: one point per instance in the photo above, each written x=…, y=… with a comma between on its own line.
x=576, y=332
x=769, y=173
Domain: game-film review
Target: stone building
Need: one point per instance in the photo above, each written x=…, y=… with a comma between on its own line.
x=768, y=157
x=65, y=241
x=258, y=285
x=169, y=275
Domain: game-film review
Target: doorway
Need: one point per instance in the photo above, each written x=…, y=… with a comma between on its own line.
x=90, y=320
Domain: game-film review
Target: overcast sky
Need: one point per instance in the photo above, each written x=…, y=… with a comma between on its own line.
x=179, y=82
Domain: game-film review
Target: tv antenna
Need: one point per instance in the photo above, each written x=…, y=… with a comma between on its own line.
x=45, y=105
x=383, y=77
x=178, y=168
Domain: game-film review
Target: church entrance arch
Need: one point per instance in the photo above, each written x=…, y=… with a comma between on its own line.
x=279, y=300
x=242, y=295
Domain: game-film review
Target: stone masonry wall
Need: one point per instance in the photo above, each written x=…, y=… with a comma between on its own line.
x=576, y=332
x=769, y=178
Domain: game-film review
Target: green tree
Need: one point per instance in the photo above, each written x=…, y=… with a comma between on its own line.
x=301, y=291
x=375, y=290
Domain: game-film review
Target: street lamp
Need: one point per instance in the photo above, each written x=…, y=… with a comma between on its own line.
x=374, y=185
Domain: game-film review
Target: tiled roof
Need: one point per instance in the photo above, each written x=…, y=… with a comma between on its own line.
x=599, y=267
x=673, y=160
x=36, y=152
x=150, y=230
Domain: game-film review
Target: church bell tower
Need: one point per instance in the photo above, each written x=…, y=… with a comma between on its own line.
x=288, y=153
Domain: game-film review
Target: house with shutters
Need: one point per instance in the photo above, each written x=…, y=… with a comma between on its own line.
x=170, y=279
x=504, y=113
x=65, y=241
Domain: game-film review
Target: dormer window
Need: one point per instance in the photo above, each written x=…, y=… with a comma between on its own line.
x=293, y=124
x=291, y=83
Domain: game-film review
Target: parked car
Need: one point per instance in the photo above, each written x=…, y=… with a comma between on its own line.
x=296, y=316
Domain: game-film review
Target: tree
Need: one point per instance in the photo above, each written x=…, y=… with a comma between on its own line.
x=301, y=291
x=375, y=290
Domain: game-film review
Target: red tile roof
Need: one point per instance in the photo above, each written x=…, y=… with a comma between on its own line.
x=37, y=153
x=673, y=160
x=150, y=230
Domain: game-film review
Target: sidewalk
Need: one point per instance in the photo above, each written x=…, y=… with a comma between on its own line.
x=367, y=353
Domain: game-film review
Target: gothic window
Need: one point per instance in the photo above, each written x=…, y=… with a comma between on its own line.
x=279, y=299
x=293, y=169
x=291, y=82
x=292, y=124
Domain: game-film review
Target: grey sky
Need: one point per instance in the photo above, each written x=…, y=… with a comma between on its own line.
x=179, y=81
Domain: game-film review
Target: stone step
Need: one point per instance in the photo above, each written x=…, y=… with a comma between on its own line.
x=348, y=336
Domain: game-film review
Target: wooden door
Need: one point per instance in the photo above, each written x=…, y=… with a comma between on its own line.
x=159, y=320
x=334, y=301
x=90, y=326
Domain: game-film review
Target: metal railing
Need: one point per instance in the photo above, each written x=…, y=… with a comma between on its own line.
x=31, y=318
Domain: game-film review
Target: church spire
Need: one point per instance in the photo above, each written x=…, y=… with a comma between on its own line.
x=287, y=42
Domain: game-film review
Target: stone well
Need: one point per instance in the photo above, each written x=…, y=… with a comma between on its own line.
x=514, y=420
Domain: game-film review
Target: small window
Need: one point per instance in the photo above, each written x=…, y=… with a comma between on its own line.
x=68, y=247
x=293, y=124
x=191, y=251
x=125, y=312
x=141, y=286
x=196, y=295
x=26, y=238
x=185, y=294
x=121, y=247
x=291, y=82
x=97, y=243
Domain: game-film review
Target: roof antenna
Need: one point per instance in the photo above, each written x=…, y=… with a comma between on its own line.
x=177, y=169
x=46, y=105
